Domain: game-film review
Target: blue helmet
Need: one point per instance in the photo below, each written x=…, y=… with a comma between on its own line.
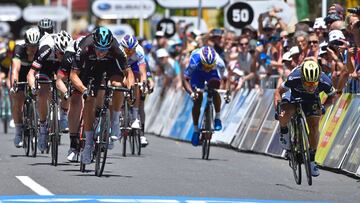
x=102, y=37
x=129, y=42
x=208, y=56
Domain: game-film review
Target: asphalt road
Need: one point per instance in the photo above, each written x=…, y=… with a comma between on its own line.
x=169, y=168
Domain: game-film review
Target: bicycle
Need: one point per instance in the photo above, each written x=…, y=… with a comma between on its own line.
x=5, y=110
x=299, y=143
x=125, y=125
x=207, y=124
x=30, y=119
x=54, y=131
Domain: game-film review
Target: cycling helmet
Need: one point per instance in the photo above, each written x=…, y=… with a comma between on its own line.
x=208, y=57
x=336, y=35
x=32, y=36
x=46, y=25
x=102, y=38
x=310, y=71
x=129, y=42
x=62, y=40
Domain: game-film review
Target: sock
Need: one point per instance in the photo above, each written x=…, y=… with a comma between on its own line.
x=74, y=140
x=284, y=130
x=116, y=117
x=19, y=128
x=43, y=127
x=312, y=154
x=217, y=115
x=196, y=128
x=135, y=113
x=89, y=137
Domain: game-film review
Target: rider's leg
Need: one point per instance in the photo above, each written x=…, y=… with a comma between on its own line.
x=214, y=83
x=17, y=113
x=88, y=117
x=76, y=102
x=117, y=101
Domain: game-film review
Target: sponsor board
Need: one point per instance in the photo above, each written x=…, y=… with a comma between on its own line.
x=192, y=3
x=327, y=136
x=36, y=13
x=123, y=9
x=344, y=136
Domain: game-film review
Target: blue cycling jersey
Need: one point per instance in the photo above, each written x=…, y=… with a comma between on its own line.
x=294, y=83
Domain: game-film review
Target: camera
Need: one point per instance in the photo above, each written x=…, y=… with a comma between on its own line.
x=355, y=10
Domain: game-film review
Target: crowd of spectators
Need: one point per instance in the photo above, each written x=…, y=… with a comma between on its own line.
x=263, y=57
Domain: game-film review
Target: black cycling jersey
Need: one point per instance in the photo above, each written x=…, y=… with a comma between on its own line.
x=294, y=83
x=46, y=60
x=20, y=53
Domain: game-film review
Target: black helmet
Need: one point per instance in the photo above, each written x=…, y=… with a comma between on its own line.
x=102, y=37
x=46, y=25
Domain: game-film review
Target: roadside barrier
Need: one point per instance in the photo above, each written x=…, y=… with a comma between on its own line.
x=249, y=125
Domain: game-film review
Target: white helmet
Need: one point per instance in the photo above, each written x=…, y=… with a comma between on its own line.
x=335, y=35
x=323, y=47
x=319, y=23
x=32, y=36
x=62, y=40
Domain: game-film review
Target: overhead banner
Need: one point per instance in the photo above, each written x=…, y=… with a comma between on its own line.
x=327, y=136
x=123, y=9
x=119, y=30
x=4, y=28
x=192, y=3
x=240, y=13
x=36, y=13
x=9, y=12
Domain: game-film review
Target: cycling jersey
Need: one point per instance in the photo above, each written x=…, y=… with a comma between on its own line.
x=310, y=101
x=86, y=61
x=20, y=53
x=136, y=59
x=69, y=57
x=197, y=75
x=46, y=61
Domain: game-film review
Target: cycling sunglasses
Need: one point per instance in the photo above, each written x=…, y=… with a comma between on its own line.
x=208, y=67
x=310, y=84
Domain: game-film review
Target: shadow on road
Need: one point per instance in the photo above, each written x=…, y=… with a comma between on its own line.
x=210, y=159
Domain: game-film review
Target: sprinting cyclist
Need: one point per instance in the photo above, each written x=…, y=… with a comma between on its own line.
x=306, y=81
x=99, y=52
x=76, y=101
x=46, y=63
x=21, y=62
x=205, y=65
x=136, y=60
x=46, y=26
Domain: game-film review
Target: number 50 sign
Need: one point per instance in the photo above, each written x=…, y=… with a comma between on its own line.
x=239, y=15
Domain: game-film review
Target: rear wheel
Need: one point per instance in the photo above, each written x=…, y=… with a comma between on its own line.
x=132, y=141
x=34, y=129
x=101, y=145
x=26, y=141
x=124, y=138
x=304, y=148
x=294, y=153
x=54, y=136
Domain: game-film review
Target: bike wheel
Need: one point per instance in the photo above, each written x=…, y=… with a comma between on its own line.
x=137, y=142
x=293, y=153
x=101, y=145
x=34, y=129
x=54, y=136
x=125, y=126
x=26, y=141
x=205, y=148
x=304, y=148
x=206, y=136
x=124, y=138
x=5, y=124
x=132, y=141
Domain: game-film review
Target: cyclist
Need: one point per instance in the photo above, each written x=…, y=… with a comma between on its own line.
x=76, y=101
x=205, y=65
x=136, y=60
x=46, y=63
x=99, y=53
x=21, y=62
x=45, y=26
x=306, y=81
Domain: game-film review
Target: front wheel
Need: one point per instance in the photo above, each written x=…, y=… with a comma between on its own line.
x=205, y=148
x=101, y=145
x=304, y=148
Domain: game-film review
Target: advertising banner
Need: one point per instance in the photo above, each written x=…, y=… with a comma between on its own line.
x=36, y=13
x=327, y=136
x=266, y=132
x=256, y=122
x=352, y=161
x=345, y=134
x=245, y=117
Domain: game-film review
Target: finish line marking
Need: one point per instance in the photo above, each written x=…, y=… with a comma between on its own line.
x=34, y=186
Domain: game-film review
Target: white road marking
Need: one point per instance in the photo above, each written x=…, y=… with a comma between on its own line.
x=34, y=186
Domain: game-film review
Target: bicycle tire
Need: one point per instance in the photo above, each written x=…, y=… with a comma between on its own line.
x=34, y=129
x=7, y=109
x=294, y=162
x=132, y=141
x=304, y=148
x=138, y=142
x=206, y=136
x=5, y=124
x=125, y=127
x=101, y=145
x=25, y=133
x=54, y=136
